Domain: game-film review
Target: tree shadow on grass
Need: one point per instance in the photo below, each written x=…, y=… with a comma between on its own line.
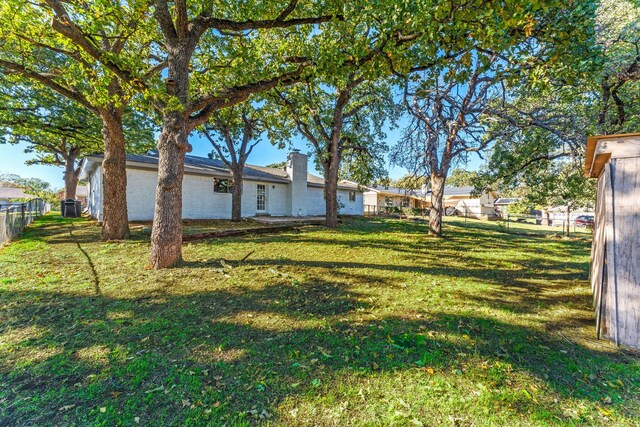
x=217, y=356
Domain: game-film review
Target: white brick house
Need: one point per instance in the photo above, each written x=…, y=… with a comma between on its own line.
x=290, y=191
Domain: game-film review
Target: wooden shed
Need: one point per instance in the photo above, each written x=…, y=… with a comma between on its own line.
x=615, y=255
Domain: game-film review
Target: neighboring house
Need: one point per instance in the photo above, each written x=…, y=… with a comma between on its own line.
x=502, y=204
x=12, y=195
x=557, y=215
x=82, y=191
x=380, y=197
x=462, y=201
x=456, y=200
x=289, y=191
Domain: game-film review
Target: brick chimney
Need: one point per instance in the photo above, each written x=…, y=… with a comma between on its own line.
x=297, y=172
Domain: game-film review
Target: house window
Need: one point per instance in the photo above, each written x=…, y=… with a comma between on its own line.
x=352, y=196
x=222, y=185
x=405, y=202
x=388, y=201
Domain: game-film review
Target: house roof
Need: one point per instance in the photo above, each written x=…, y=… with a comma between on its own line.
x=419, y=193
x=595, y=159
x=216, y=167
x=505, y=201
x=395, y=191
x=13, y=193
x=458, y=191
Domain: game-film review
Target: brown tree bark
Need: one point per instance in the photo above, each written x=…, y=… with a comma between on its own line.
x=71, y=175
x=236, y=194
x=115, y=224
x=173, y=144
x=166, y=235
x=568, y=220
x=331, y=191
x=437, y=207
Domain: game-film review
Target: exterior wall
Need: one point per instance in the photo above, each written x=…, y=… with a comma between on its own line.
x=141, y=194
x=316, y=204
x=199, y=201
x=373, y=198
x=94, y=199
x=249, y=198
x=370, y=198
x=473, y=206
x=276, y=204
x=350, y=208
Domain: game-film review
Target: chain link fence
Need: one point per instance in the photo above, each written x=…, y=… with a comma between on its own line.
x=14, y=217
x=580, y=224
x=548, y=225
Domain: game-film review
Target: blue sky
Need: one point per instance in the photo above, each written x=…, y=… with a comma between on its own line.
x=13, y=158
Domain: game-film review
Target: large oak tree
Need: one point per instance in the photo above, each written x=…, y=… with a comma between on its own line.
x=36, y=46
x=208, y=51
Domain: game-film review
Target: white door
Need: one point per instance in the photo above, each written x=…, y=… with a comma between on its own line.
x=261, y=198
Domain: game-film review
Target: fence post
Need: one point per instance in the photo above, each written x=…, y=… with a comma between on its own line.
x=22, y=209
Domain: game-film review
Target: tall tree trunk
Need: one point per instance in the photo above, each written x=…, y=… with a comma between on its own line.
x=115, y=225
x=166, y=235
x=71, y=174
x=173, y=144
x=437, y=207
x=331, y=189
x=568, y=220
x=236, y=195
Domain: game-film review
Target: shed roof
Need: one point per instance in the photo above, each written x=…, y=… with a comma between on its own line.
x=594, y=161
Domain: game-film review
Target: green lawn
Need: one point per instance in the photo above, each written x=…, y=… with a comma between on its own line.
x=374, y=324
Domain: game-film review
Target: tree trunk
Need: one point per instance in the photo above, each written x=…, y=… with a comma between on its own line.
x=568, y=220
x=437, y=208
x=331, y=190
x=236, y=195
x=71, y=174
x=166, y=234
x=115, y=225
x=544, y=213
x=173, y=144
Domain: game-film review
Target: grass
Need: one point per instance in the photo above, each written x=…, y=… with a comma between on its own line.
x=373, y=324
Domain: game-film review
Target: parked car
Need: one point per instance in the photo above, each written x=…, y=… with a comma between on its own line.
x=584, y=221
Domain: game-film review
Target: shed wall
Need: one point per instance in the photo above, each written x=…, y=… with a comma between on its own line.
x=616, y=251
